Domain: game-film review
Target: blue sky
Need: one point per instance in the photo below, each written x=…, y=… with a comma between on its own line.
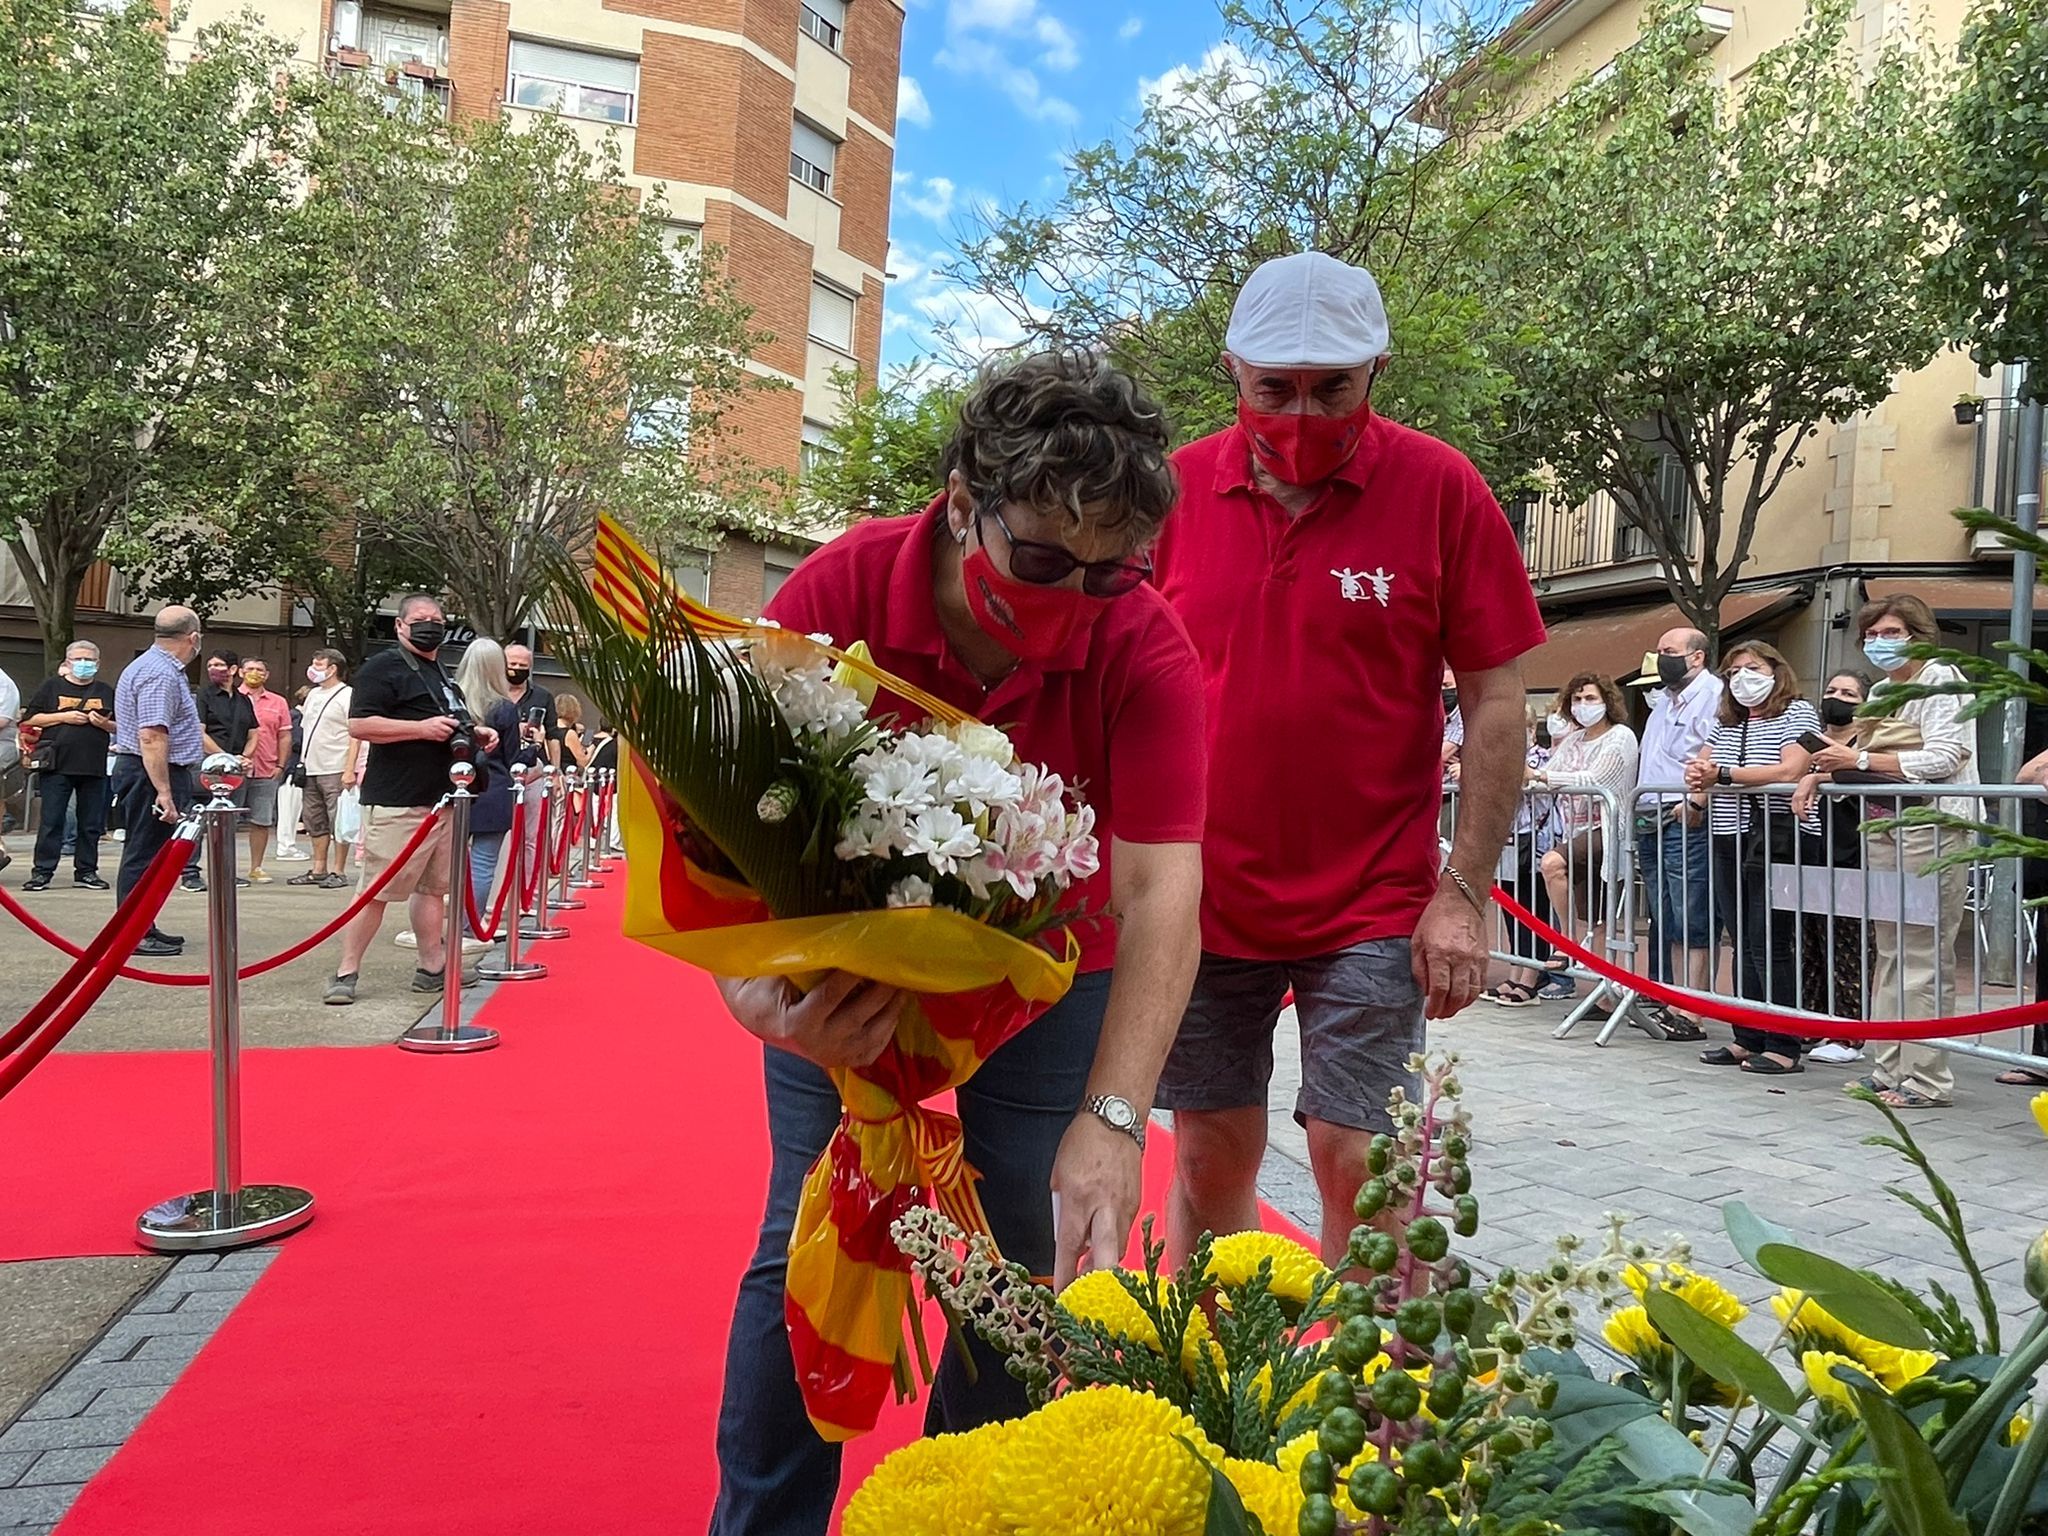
x=994, y=93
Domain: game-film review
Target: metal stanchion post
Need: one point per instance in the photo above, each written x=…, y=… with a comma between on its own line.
x=231, y=1214
x=608, y=782
x=544, y=927
x=452, y=1036
x=512, y=967
x=572, y=781
x=593, y=802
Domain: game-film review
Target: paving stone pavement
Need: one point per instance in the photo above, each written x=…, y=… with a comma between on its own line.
x=74, y=1427
x=1566, y=1131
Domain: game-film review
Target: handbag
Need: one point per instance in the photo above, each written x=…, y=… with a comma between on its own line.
x=1780, y=841
x=348, y=815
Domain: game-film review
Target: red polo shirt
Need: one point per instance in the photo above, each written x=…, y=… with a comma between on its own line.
x=1117, y=714
x=1323, y=639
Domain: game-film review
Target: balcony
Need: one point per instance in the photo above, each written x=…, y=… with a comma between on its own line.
x=1592, y=547
x=397, y=53
x=410, y=86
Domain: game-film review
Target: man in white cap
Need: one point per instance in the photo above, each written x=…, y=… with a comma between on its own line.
x=1329, y=565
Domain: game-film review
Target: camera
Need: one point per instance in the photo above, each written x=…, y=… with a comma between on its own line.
x=462, y=740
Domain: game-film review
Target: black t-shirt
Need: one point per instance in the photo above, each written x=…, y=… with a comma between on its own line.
x=227, y=715
x=396, y=685
x=607, y=755
x=81, y=750
x=537, y=697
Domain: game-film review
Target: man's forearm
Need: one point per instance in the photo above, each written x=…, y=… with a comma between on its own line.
x=1490, y=780
x=156, y=758
x=375, y=729
x=1158, y=949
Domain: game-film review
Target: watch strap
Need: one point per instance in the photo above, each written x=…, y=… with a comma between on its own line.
x=1098, y=1106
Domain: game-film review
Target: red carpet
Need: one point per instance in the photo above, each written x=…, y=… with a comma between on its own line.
x=509, y=1315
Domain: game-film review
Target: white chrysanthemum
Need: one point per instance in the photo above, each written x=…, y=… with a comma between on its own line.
x=942, y=838
x=873, y=832
x=982, y=785
x=910, y=891
x=895, y=779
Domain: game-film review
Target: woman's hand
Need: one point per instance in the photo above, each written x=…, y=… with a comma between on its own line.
x=1834, y=758
x=1804, y=797
x=1700, y=773
x=843, y=1021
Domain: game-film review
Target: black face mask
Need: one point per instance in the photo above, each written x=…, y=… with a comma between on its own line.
x=1450, y=700
x=426, y=635
x=1838, y=711
x=517, y=675
x=1672, y=670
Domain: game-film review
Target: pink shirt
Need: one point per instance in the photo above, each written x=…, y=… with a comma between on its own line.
x=273, y=732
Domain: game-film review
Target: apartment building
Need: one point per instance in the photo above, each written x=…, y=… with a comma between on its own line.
x=1866, y=514
x=771, y=126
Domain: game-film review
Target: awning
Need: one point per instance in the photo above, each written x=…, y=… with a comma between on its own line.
x=1613, y=643
x=1954, y=594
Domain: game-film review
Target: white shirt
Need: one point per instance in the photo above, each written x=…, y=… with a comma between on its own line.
x=324, y=719
x=1680, y=725
x=1949, y=751
x=10, y=714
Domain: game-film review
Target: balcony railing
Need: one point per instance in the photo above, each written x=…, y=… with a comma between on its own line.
x=410, y=86
x=1562, y=539
x=819, y=26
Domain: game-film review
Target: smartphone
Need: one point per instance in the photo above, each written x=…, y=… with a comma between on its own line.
x=537, y=715
x=1813, y=741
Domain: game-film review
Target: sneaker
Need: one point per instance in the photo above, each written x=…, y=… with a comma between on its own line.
x=90, y=883
x=259, y=876
x=160, y=944
x=243, y=880
x=341, y=991
x=294, y=856
x=1559, y=990
x=475, y=946
x=191, y=882
x=405, y=939
x=1833, y=1053
x=436, y=982
x=36, y=883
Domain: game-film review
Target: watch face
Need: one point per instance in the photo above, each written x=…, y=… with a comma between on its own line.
x=1119, y=1114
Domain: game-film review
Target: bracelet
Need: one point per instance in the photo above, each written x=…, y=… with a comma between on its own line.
x=1466, y=886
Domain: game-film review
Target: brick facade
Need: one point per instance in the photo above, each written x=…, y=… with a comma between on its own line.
x=771, y=25
x=867, y=330
x=739, y=574
x=479, y=51
x=764, y=425
x=874, y=48
x=689, y=100
x=724, y=15
x=772, y=269
x=863, y=186
x=767, y=108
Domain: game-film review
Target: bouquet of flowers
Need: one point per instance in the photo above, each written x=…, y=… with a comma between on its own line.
x=781, y=821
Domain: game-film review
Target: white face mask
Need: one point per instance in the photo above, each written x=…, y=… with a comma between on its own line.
x=317, y=674
x=1559, y=726
x=1750, y=687
x=1589, y=712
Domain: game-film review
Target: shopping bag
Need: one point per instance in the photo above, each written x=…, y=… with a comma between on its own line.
x=348, y=815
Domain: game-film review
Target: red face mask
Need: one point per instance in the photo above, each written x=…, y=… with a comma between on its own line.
x=1299, y=447
x=1029, y=621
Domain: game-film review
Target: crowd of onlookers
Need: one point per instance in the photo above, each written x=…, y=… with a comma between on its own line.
x=1718, y=812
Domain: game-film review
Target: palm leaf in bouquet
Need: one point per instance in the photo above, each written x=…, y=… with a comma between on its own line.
x=700, y=718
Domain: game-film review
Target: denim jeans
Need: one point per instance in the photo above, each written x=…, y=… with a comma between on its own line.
x=61, y=794
x=484, y=851
x=148, y=832
x=1672, y=865
x=777, y=1477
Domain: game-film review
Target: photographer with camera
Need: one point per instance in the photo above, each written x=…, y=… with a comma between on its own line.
x=406, y=707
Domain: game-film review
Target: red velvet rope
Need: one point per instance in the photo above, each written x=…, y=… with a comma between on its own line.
x=60, y=1009
x=1811, y=1026
x=560, y=858
x=476, y=924
x=578, y=804
x=180, y=979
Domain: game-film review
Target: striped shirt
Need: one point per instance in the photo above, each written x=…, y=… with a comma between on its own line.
x=153, y=691
x=1757, y=742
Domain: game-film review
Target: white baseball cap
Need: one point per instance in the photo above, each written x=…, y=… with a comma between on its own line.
x=1308, y=310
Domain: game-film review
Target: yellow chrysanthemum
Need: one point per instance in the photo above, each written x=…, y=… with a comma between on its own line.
x=1269, y=1493
x=2040, y=1107
x=1105, y=1459
x=1631, y=1332
x=1708, y=1297
x=935, y=1487
x=1262, y=1385
x=1235, y=1259
x=1291, y=1455
x=1819, y=1365
x=1817, y=1330
x=1099, y=1297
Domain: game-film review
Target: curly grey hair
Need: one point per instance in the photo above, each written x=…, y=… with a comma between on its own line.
x=1067, y=429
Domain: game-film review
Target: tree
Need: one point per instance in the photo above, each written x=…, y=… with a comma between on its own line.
x=139, y=306
x=1317, y=125
x=883, y=457
x=1710, y=274
x=508, y=344
x=1995, y=265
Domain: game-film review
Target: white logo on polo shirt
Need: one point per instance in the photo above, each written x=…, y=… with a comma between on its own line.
x=1359, y=585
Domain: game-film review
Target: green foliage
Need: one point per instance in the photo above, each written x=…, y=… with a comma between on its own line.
x=507, y=344
x=1299, y=133
x=1994, y=268
x=883, y=457
x=142, y=309
x=1711, y=272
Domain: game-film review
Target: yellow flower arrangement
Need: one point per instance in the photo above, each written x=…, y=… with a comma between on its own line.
x=2040, y=1108
x=1630, y=1332
x=1099, y=1297
x=1104, y=1460
x=1235, y=1259
x=1272, y=1495
x=935, y=1487
x=1291, y=1455
x=1829, y=1389
x=1708, y=1297
x=1816, y=1330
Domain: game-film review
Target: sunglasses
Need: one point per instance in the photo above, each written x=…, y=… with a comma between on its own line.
x=1046, y=565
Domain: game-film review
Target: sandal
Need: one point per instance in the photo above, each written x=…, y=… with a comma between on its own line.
x=2022, y=1077
x=308, y=878
x=1765, y=1066
x=1911, y=1098
x=1722, y=1056
x=1511, y=994
x=1678, y=1027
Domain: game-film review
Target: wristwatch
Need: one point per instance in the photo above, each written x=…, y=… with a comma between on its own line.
x=1723, y=776
x=1863, y=762
x=1118, y=1114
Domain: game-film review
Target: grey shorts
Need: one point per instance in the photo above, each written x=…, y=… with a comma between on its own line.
x=260, y=796
x=1361, y=1020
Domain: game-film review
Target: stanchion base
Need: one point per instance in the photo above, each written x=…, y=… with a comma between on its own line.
x=525, y=970
x=567, y=904
x=433, y=1040
x=196, y=1224
x=586, y=885
x=552, y=931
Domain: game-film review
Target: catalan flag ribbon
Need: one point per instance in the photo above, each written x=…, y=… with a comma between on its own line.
x=849, y=1289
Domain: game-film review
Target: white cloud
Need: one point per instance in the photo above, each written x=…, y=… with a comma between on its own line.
x=911, y=107
x=1188, y=85
x=1006, y=42
x=924, y=306
x=934, y=202
x=1131, y=28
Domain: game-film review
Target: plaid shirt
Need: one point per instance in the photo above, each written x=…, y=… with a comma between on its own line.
x=153, y=691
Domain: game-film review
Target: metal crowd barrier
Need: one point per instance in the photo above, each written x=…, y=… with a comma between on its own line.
x=1834, y=917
